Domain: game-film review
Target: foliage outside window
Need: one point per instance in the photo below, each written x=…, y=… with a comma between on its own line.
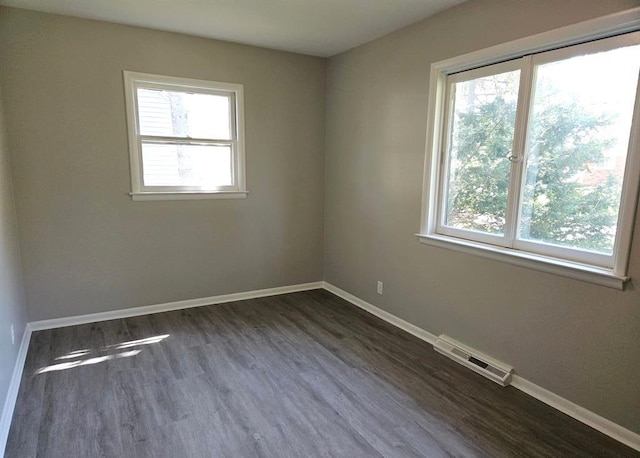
x=534, y=151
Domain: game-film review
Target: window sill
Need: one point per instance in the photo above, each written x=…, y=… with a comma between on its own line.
x=577, y=271
x=191, y=195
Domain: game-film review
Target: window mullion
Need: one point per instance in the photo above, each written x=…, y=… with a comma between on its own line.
x=518, y=154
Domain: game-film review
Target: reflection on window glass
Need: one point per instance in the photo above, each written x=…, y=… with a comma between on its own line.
x=183, y=114
x=481, y=141
x=577, y=143
x=186, y=165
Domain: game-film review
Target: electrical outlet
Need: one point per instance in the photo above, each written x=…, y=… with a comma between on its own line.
x=380, y=285
x=13, y=336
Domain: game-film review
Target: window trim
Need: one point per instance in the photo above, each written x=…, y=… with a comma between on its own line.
x=235, y=92
x=604, y=27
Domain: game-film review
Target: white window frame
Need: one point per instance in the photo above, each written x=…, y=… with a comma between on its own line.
x=522, y=54
x=135, y=80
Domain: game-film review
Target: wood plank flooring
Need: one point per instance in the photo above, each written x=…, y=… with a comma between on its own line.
x=297, y=375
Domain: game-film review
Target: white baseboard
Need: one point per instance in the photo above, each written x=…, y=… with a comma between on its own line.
x=565, y=406
x=14, y=387
x=169, y=306
x=386, y=316
x=581, y=414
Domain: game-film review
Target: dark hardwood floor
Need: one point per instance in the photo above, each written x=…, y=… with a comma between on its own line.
x=297, y=375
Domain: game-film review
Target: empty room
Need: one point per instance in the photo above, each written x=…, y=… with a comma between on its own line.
x=355, y=228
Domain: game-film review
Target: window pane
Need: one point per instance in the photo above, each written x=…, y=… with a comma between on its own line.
x=183, y=114
x=577, y=145
x=484, y=115
x=204, y=166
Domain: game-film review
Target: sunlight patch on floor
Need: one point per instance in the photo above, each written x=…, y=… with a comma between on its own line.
x=85, y=362
x=100, y=359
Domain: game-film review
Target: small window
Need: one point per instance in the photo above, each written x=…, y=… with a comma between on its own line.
x=535, y=157
x=185, y=138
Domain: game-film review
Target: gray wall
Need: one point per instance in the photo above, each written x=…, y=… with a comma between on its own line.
x=87, y=247
x=12, y=304
x=576, y=339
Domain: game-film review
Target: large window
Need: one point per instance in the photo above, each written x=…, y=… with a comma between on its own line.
x=535, y=157
x=185, y=137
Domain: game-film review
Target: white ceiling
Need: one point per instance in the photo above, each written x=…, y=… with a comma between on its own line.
x=316, y=27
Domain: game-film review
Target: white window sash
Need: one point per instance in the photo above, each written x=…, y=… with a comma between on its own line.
x=195, y=142
x=441, y=227
x=547, y=249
